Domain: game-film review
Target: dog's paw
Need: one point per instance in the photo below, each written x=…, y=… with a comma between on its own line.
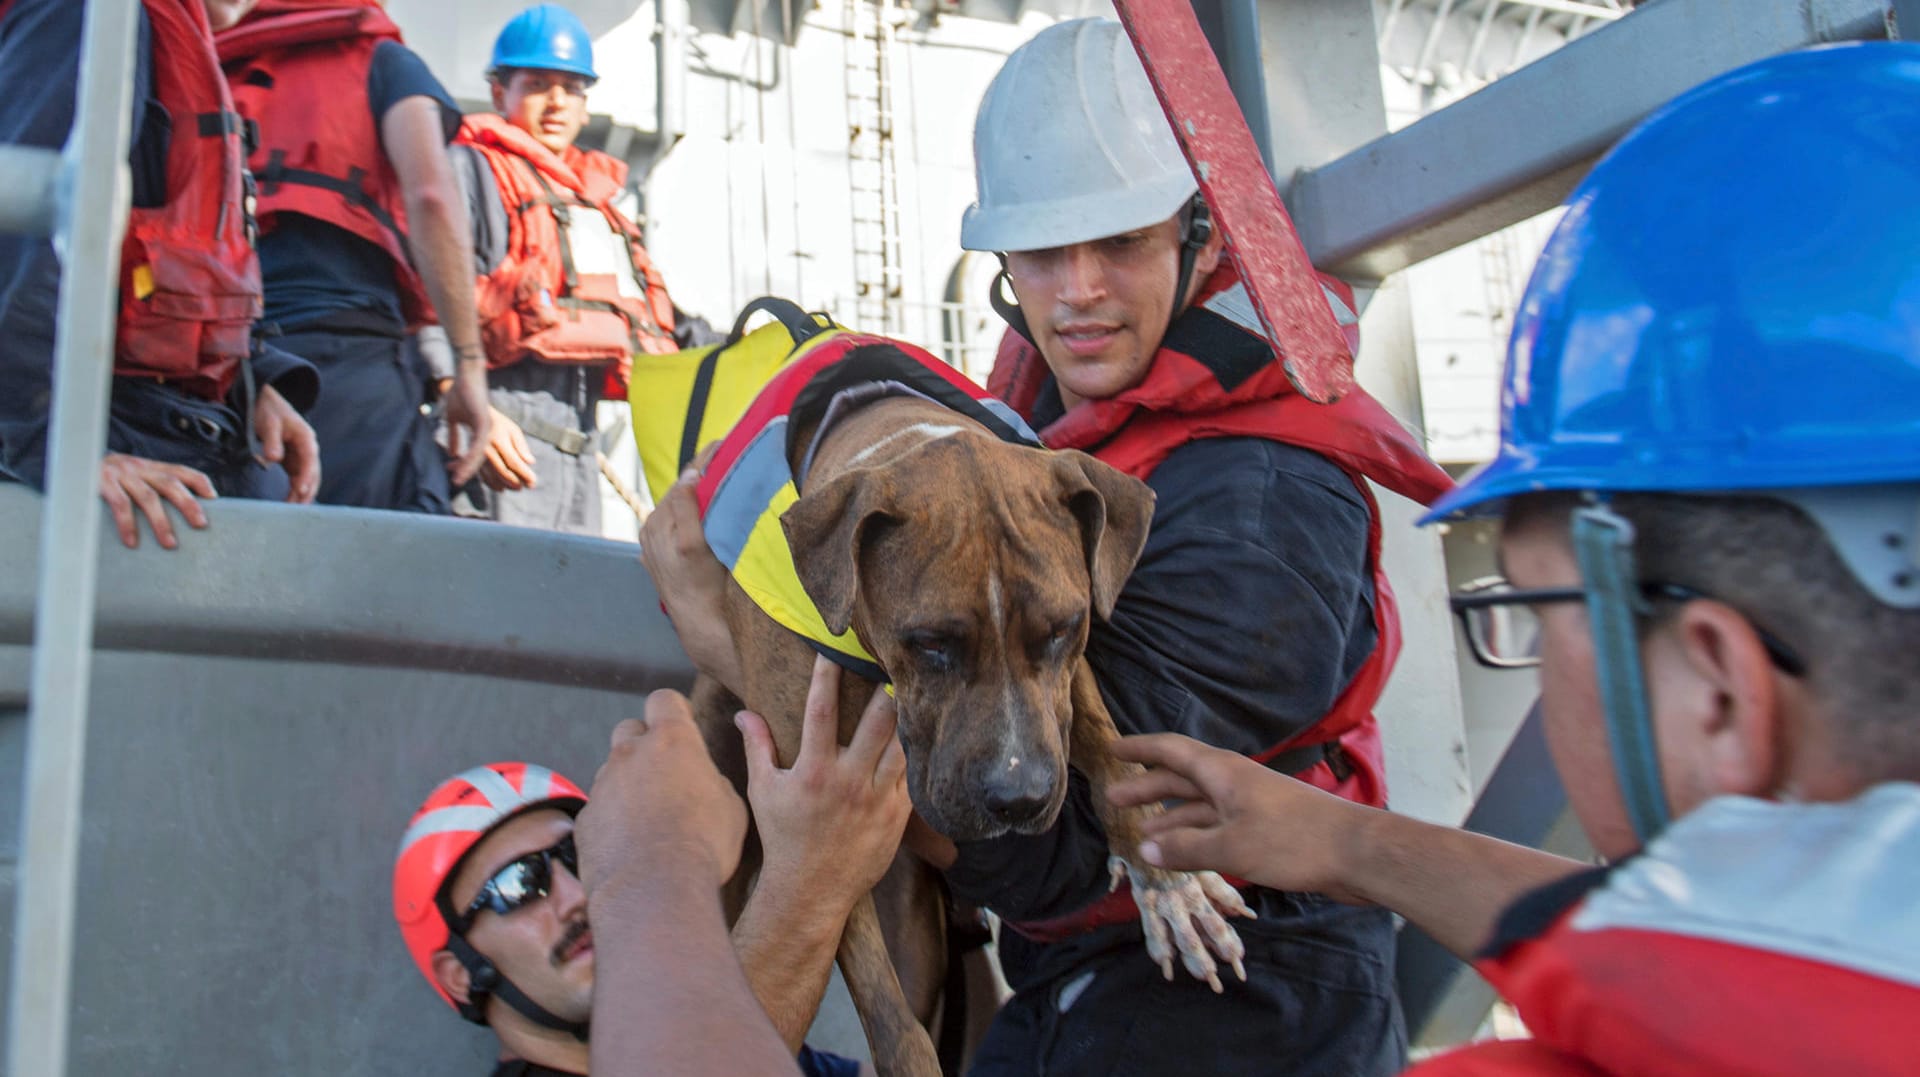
x=1186, y=911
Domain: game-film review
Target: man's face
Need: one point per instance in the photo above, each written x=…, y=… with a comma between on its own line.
x=1535, y=555
x=544, y=947
x=1098, y=310
x=224, y=14
x=549, y=105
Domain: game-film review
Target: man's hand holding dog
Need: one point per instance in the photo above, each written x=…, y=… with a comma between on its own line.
x=691, y=582
x=829, y=827
x=830, y=824
x=658, y=804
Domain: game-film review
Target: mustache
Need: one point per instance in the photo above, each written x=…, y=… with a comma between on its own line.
x=572, y=935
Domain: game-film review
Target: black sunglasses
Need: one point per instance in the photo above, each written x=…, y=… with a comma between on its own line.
x=525, y=880
x=1509, y=643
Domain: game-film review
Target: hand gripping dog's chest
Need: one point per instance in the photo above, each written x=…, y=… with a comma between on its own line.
x=750, y=482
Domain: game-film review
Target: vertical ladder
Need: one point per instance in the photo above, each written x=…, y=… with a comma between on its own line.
x=1500, y=284
x=87, y=215
x=873, y=174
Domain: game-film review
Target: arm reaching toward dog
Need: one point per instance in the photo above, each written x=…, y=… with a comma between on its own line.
x=829, y=826
x=1242, y=819
x=661, y=831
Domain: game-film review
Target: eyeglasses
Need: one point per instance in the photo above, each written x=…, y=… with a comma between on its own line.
x=1504, y=631
x=521, y=882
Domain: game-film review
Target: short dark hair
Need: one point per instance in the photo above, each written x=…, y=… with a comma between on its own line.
x=1769, y=559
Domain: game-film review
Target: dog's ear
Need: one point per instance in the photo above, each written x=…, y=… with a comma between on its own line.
x=1114, y=510
x=826, y=529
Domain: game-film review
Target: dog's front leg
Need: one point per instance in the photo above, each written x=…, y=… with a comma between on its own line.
x=1179, y=911
x=900, y=1044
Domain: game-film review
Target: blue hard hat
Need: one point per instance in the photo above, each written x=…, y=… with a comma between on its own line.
x=545, y=38
x=1732, y=301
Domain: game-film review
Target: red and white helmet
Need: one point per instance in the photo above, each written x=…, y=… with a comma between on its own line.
x=452, y=820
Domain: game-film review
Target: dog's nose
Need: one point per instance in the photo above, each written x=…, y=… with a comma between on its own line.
x=1017, y=790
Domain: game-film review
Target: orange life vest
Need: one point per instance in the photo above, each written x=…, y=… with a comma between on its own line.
x=298, y=68
x=189, y=278
x=534, y=303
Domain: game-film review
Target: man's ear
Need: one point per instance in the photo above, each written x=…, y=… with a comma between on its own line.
x=1114, y=510
x=499, y=91
x=1740, y=728
x=1207, y=258
x=451, y=975
x=826, y=530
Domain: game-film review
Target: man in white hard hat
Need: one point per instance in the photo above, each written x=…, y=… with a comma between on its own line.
x=1257, y=620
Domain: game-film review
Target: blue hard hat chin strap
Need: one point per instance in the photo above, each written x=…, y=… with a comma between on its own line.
x=1603, y=545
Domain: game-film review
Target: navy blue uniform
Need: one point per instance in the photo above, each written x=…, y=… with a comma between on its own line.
x=39, y=66
x=334, y=296
x=1249, y=612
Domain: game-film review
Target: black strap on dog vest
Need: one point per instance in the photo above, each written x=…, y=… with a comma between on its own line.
x=697, y=406
x=800, y=325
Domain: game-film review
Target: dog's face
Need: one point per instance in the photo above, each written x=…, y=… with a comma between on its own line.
x=972, y=569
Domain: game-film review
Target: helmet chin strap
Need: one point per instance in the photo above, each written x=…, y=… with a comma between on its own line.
x=485, y=980
x=1603, y=545
x=1196, y=228
x=1008, y=309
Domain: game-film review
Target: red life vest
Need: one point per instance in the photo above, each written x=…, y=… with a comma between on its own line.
x=534, y=303
x=1753, y=939
x=189, y=278
x=1215, y=376
x=298, y=68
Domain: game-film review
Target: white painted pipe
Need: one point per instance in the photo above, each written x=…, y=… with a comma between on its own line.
x=94, y=172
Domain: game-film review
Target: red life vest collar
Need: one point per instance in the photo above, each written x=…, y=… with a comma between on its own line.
x=1213, y=363
x=595, y=178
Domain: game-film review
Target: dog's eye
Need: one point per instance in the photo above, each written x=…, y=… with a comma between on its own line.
x=935, y=652
x=1056, y=641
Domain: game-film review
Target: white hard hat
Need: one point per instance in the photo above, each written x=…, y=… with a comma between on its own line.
x=1070, y=145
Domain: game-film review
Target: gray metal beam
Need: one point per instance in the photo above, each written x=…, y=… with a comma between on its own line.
x=95, y=174
x=28, y=181
x=1515, y=148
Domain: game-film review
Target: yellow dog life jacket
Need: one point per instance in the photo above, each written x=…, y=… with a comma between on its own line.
x=750, y=483
x=683, y=401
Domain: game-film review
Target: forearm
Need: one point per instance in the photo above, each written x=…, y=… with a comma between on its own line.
x=669, y=995
x=786, y=947
x=440, y=236
x=1451, y=883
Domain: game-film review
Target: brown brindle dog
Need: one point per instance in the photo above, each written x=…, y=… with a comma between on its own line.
x=971, y=569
